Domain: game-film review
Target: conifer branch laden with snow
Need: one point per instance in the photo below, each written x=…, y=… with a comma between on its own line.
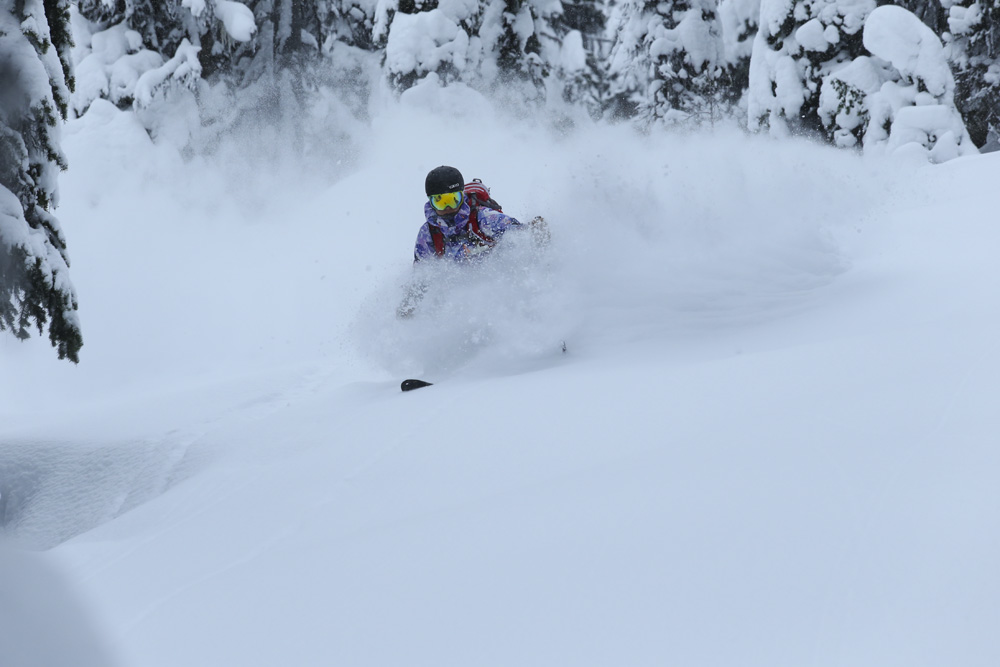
x=678, y=62
x=800, y=43
x=35, y=288
x=495, y=47
x=973, y=47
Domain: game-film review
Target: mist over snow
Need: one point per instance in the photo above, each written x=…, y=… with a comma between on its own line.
x=771, y=440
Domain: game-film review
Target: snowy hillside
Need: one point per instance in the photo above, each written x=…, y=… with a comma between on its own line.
x=772, y=439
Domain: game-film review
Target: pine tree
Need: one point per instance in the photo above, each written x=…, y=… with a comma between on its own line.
x=350, y=22
x=218, y=31
x=931, y=13
x=739, y=19
x=518, y=49
x=576, y=74
x=35, y=289
x=276, y=73
x=161, y=24
x=626, y=69
x=667, y=64
x=203, y=69
x=974, y=50
x=494, y=47
x=447, y=34
x=898, y=98
x=798, y=44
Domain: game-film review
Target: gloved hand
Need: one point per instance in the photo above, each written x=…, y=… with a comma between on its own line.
x=540, y=233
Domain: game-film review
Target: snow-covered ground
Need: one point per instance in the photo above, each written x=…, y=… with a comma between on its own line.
x=773, y=438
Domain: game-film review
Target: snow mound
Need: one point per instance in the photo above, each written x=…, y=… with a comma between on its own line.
x=237, y=18
x=898, y=36
x=421, y=42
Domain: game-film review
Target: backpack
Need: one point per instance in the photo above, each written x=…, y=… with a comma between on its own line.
x=477, y=195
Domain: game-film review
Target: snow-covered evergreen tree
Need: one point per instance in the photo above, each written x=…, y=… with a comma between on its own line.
x=667, y=63
x=304, y=65
x=931, y=13
x=511, y=33
x=350, y=22
x=800, y=42
x=422, y=39
x=494, y=47
x=216, y=27
x=159, y=24
x=35, y=288
x=196, y=71
x=899, y=98
x=570, y=34
x=974, y=48
x=739, y=19
x=136, y=51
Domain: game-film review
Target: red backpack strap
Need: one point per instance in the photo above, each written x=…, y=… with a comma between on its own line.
x=438, y=239
x=474, y=227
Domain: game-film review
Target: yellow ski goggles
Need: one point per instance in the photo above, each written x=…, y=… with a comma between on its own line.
x=447, y=200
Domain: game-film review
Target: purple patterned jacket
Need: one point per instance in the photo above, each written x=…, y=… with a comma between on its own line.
x=460, y=244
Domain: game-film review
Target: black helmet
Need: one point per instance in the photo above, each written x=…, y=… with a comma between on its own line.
x=443, y=179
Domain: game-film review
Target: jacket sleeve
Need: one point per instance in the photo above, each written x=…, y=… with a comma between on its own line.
x=496, y=223
x=424, y=247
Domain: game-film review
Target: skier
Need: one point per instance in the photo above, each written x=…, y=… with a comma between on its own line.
x=462, y=224
x=459, y=225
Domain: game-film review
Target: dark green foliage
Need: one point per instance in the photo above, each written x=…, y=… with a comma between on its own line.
x=978, y=103
x=777, y=40
x=851, y=99
x=34, y=289
x=586, y=16
x=99, y=12
x=159, y=22
x=976, y=56
x=62, y=40
x=814, y=66
x=27, y=301
x=414, y=6
x=511, y=59
x=587, y=88
x=348, y=23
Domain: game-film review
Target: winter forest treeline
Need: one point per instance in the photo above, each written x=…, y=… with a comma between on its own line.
x=782, y=65
x=920, y=76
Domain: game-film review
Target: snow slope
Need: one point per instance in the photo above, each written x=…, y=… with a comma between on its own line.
x=772, y=440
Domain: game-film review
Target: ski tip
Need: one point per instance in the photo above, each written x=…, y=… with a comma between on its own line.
x=410, y=385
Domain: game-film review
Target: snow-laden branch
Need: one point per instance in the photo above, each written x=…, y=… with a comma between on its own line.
x=183, y=69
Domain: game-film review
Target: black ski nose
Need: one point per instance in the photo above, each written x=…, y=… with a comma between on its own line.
x=410, y=385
